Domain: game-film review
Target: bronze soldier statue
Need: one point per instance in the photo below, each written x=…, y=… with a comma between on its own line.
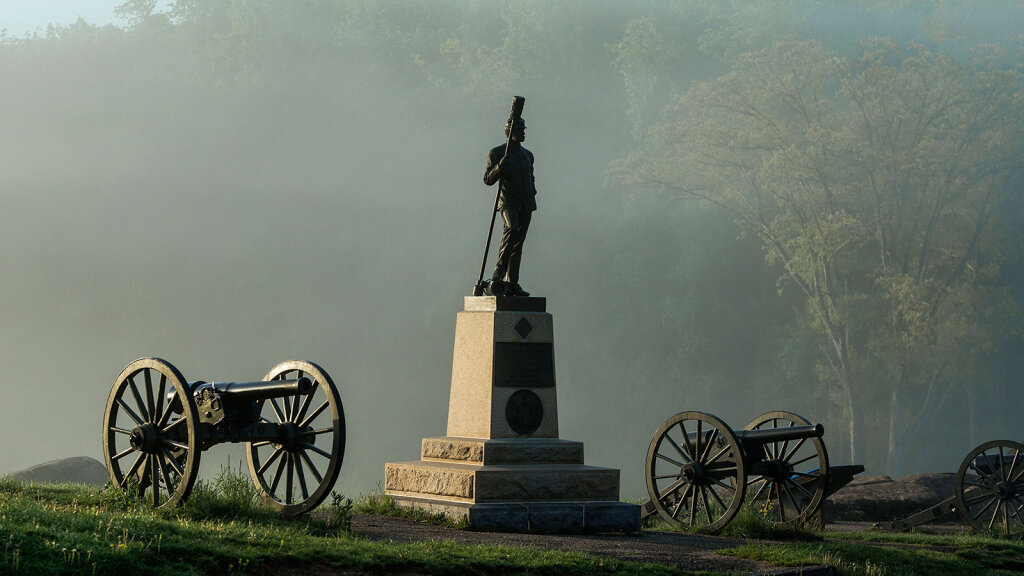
x=511, y=166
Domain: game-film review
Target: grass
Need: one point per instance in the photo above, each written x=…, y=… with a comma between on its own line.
x=222, y=529
x=865, y=553
x=383, y=505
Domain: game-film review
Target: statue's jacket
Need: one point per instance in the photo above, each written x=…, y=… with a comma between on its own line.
x=517, y=189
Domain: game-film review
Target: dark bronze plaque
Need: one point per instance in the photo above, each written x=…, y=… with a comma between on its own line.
x=524, y=365
x=524, y=412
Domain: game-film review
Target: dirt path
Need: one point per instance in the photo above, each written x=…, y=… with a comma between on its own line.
x=687, y=551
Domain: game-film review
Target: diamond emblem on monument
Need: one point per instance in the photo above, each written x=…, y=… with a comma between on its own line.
x=523, y=327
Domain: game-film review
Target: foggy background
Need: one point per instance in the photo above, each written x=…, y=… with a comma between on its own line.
x=234, y=183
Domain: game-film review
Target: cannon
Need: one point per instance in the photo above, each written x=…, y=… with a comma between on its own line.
x=156, y=426
x=988, y=492
x=699, y=472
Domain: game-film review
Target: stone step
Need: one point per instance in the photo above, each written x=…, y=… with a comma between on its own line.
x=483, y=451
x=535, y=516
x=489, y=483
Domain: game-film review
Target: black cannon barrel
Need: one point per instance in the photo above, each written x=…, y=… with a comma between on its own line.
x=780, y=434
x=262, y=390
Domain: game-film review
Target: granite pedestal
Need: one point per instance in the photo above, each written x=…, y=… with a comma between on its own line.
x=501, y=465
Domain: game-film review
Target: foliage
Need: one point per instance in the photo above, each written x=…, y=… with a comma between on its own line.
x=874, y=184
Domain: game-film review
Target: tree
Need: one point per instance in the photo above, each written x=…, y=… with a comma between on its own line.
x=874, y=183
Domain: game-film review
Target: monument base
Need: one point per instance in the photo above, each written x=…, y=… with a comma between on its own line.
x=513, y=485
x=501, y=465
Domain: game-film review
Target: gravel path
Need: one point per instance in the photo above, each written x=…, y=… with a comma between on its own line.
x=687, y=551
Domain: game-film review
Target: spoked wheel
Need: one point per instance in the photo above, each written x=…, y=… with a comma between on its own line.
x=150, y=443
x=296, y=472
x=990, y=488
x=789, y=483
x=695, y=472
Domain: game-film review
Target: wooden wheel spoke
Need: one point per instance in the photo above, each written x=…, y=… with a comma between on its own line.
x=166, y=415
x=719, y=455
x=671, y=488
x=991, y=501
x=151, y=405
x=120, y=430
x=154, y=480
x=277, y=475
x=977, y=499
x=261, y=443
x=991, y=481
x=767, y=485
x=131, y=413
x=288, y=409
x=167, y=429
x=166, y=475
x=787, y=456
x=316, y=449
x=686, y=441
x=301, y=413
x=792, y=500
x=707, y=506
x=717, y=498
x=277, y=411
x=315, y=413
x=995, y=513
x=665, y=476
x=158, y=411
x=173, y=462
x=312, y=468
x=699, y=450
x=669, y=460
x=316, y=432
x=677, y=448
x=121, y=454
x=173, y=443
x=133, y=470
x=302, y=478
x=138, y=398
x=288, y=479
x=270, y=461
x=800, y=487
x=708, y=445
x=802, y=460
x=681, y=502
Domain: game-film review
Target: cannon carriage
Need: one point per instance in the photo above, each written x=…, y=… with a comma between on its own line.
x=988, y=492
x=157, y=424
x=700, y=472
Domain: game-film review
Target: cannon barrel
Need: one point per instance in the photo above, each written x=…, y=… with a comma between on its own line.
x=250, y=391
x=764, y=435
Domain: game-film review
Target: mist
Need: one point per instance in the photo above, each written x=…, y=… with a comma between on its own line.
x=229, y=185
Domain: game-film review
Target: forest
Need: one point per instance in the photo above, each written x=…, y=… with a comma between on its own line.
x=745, y=206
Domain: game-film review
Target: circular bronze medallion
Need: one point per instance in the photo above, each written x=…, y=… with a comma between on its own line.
x=524, y=412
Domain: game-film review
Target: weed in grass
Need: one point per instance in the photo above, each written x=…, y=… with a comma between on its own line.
x=339, y=512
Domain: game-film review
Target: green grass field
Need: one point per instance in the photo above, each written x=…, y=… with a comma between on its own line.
x=223, y=529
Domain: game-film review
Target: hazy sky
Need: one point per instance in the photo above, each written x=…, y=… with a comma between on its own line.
x=21, y=16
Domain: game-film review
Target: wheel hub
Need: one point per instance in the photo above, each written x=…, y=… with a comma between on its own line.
x=693, y=472
x=287, y=436
x=145, y=438
x=1004, y=490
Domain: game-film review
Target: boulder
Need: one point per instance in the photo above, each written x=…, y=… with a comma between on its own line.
x=880, y=498
x=80, y=470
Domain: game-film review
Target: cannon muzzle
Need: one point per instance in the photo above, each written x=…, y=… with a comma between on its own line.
x=765, y=435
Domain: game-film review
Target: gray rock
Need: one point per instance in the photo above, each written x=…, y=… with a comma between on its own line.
x=880, y=498
x=80, y=470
